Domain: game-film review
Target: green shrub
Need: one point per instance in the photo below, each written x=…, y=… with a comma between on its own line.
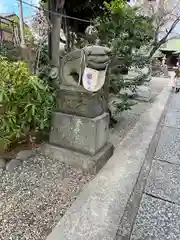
x=26, y=102
x=8, y=50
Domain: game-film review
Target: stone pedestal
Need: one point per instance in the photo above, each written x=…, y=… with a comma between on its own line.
x=84, y=161
x=85, y=135
x=80, y=141
x=78, y=101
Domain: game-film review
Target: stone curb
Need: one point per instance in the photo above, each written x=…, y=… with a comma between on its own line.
x=132, y=207
x=99, y=208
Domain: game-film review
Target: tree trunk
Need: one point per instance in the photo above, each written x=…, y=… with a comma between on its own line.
x=55, y=37
x=56, y=20
x=21, y=24
x=154, y=49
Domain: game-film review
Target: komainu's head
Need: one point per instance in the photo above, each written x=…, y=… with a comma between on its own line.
x=97, y=57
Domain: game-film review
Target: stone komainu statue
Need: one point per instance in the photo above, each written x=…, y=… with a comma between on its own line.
x=73, y=64
x=72, y=97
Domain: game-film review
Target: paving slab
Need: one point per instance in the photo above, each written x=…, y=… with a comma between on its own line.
x=173, y=118
x=169, y=145
x=164, y=181
x=175, y=102
x=156, y=220
x=130, y=213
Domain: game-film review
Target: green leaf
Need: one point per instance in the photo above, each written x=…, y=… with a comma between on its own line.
x=28, y=100
x=1, y=96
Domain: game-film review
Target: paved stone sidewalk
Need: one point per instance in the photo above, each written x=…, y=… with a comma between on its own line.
x=158, y=217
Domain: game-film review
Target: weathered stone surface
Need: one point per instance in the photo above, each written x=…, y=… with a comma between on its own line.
x=2, y=144
x=12, y=165
x=164, y=181
x=2, y=163
x=127, y=92
x=173, y=118
x=131, y=75
x=85, y=135
x=143, y=93
x=175, y=103
x=25, y=154
x=97, y=57
x=169, y=145
x=113, y=100
x=81, y=103
x=156, y=220
x=130, y=213
x=88, y=163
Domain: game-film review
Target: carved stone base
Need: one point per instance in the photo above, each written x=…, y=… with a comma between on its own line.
x=79, y=102
x=88, y=163
x=85, y=135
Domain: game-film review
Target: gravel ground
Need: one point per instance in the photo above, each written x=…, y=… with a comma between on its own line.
x=35, y=197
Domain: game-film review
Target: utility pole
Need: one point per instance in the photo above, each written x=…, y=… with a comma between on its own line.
x=21, y=23
x=25, y=53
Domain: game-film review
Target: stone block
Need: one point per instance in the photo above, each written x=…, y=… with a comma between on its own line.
x=25, y=154
x=88, y=163
x=2, y=163
x=156, y=220
x=168, y=148
x=81, y=134
x=175, y=103
x=80, y=102
x=173, y=118
x=164, y=181
x=143, y=93
x=12, y=165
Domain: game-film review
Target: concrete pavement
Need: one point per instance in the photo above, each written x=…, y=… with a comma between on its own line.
x=158, y=215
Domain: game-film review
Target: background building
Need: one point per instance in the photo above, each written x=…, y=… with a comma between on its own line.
x=7, y=27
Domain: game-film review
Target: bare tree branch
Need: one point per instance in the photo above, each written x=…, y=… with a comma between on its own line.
x=166, y=16
x=156, y=44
